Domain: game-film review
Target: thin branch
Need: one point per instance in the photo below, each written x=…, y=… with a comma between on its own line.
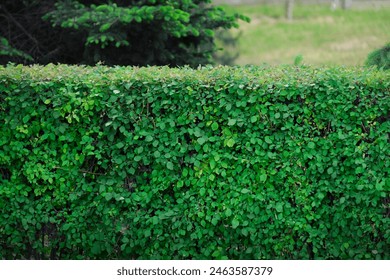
x=52, y=53
x=81, y=171
x=364, y=128
x=18, y=24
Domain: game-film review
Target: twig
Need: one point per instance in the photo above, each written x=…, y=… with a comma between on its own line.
x=81, y=171
x=18, y=25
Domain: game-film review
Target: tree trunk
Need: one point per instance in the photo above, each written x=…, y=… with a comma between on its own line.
x=289, y=9
x=335, y=4
x=346, y=4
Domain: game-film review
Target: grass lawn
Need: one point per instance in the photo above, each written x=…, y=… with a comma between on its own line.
x=320, y=35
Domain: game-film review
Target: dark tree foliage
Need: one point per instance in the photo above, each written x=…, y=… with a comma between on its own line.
x=133, y=32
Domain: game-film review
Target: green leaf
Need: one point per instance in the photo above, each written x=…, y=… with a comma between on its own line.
x=157, y=154
x=140, y=150
x=202, y=140
x=105, y=27
x=214, y=126
x=66, y=227
x=113, y=98
x=235, y=223
x=26, y=118
x=379, y=185
x=263, y=178
x=232, y=122
x=170, y=165
x=279, y=207
x=136, y=197
x=268, y=140
x=96, y=249
x=230, y=143
x=228, y=212
x=201, y=214
x=138, y=158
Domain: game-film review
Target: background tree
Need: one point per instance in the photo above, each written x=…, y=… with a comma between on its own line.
x=8, y=51
x=135, y=32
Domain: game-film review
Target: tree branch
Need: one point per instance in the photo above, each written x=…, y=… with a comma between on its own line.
x=11, y=18
x=81, y=171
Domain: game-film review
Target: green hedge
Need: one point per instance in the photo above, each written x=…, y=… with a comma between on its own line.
x=213, y=163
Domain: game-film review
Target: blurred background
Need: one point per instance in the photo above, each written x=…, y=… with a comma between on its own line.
x=195, y=32
x=318, y=32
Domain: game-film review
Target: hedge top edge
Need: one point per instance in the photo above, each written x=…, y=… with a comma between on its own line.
x=205, y=74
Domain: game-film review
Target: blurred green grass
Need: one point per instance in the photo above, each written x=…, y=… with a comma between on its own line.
x=320, y=35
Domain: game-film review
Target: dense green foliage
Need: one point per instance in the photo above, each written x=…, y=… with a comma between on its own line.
x=157, y=163
x=147, y=32
x=380, y=58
